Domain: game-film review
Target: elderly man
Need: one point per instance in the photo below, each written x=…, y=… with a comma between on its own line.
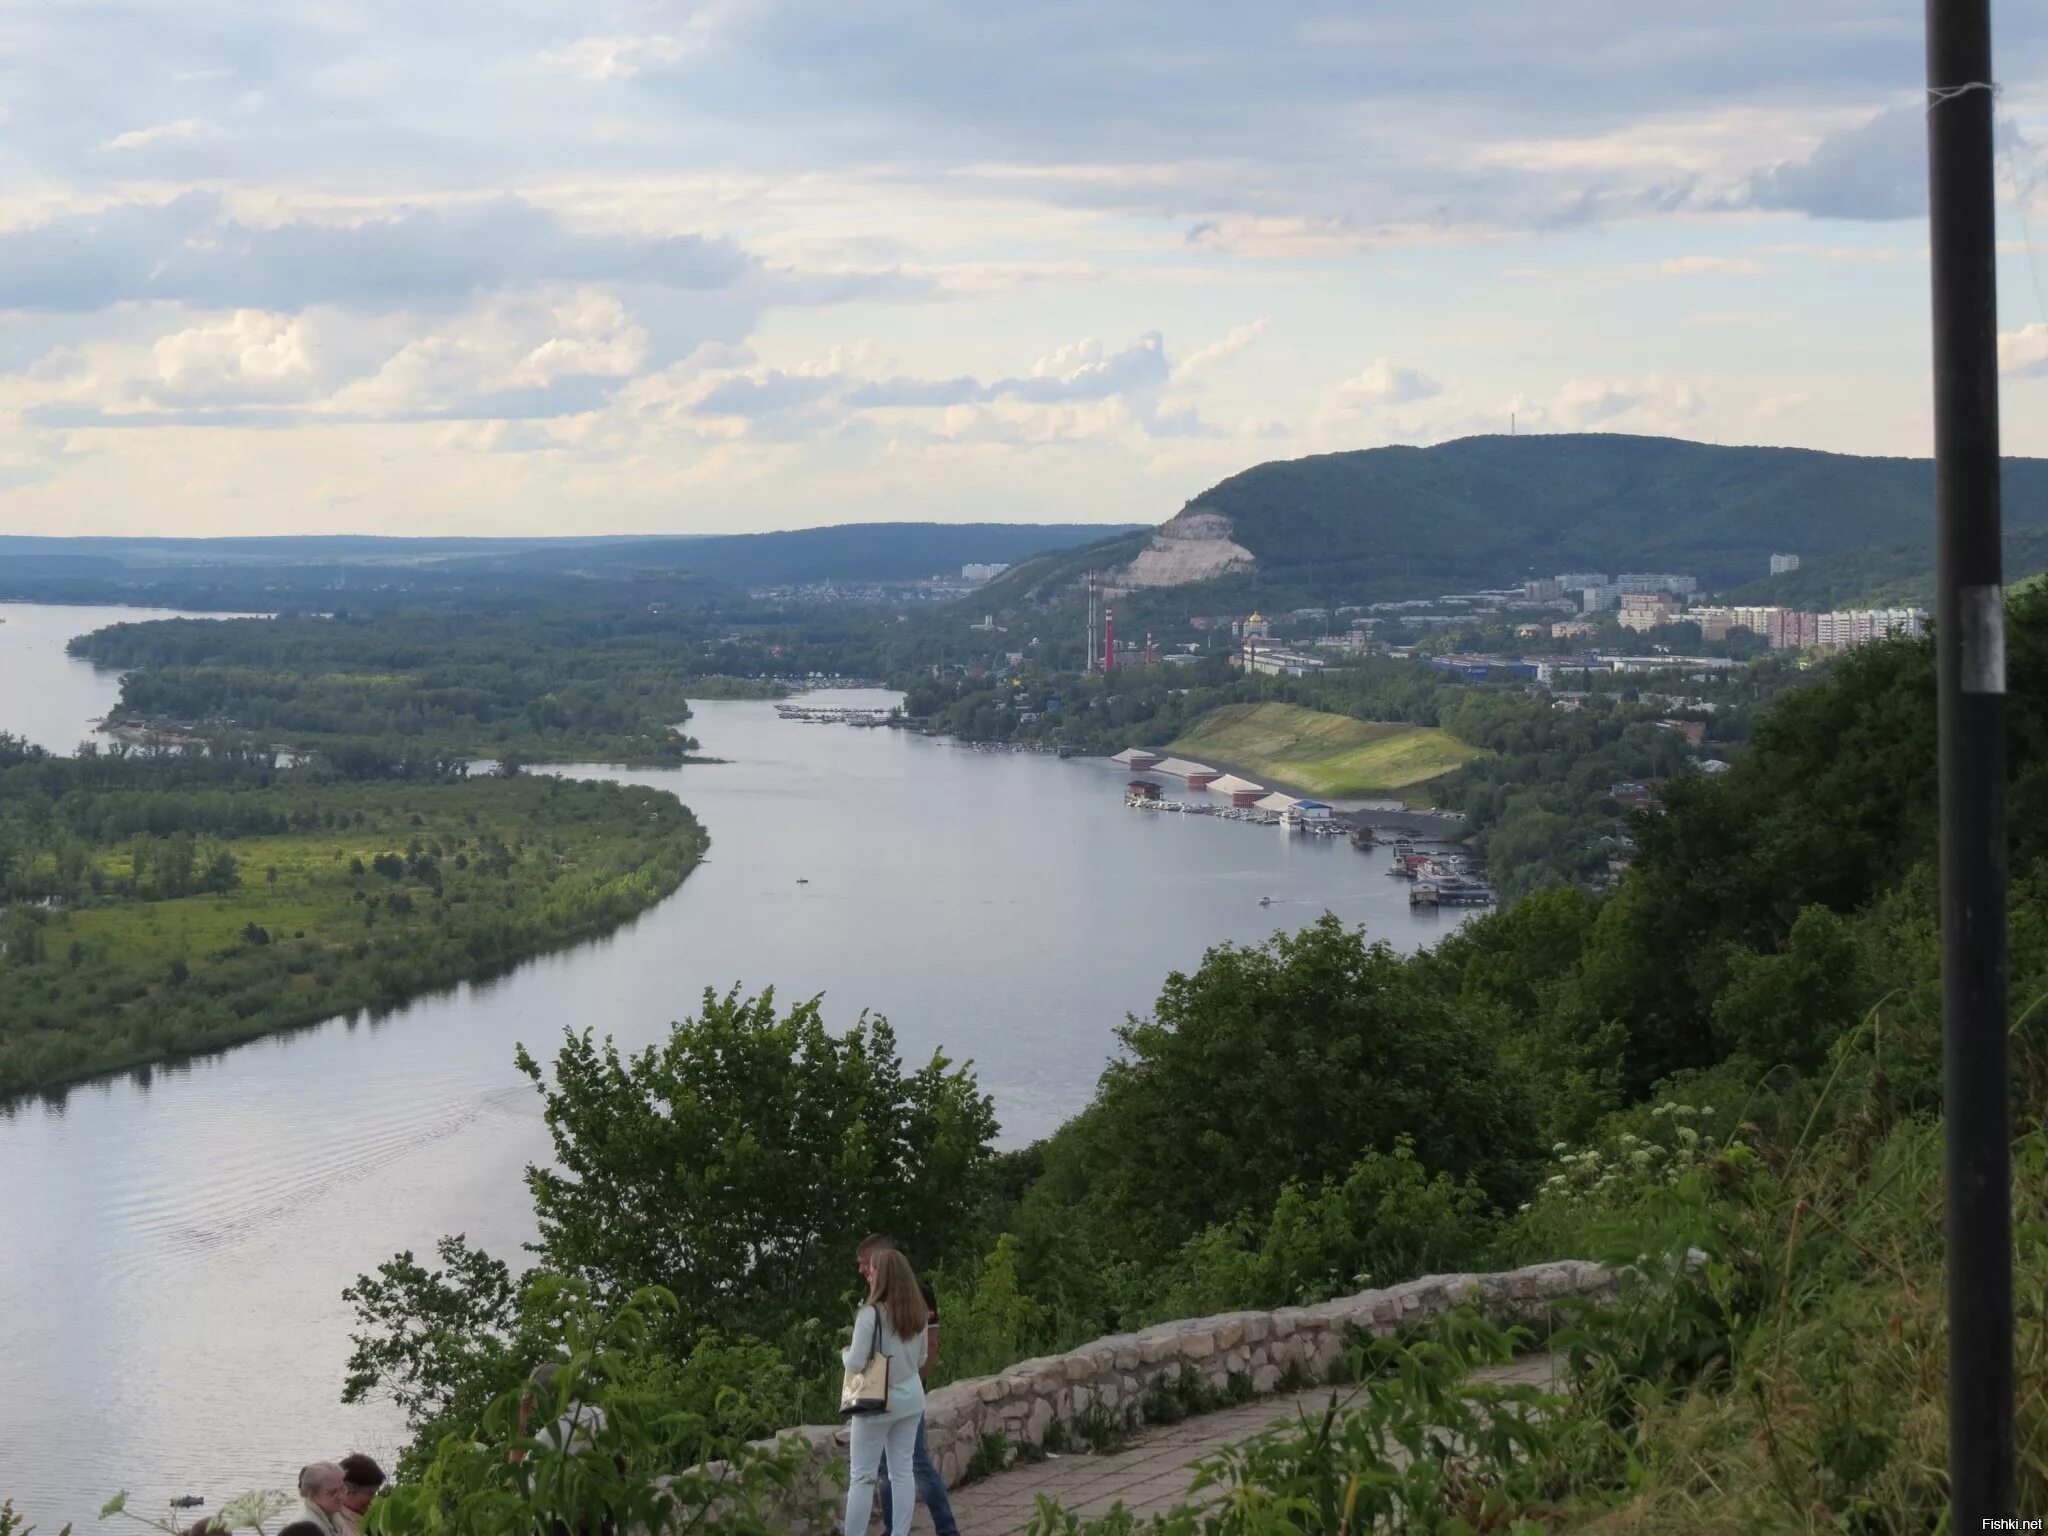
x=323, y=1489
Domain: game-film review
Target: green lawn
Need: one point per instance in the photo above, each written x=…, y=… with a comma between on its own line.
x=1331, y=755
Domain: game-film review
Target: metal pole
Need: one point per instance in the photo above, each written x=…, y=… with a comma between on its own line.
x=1970, y=648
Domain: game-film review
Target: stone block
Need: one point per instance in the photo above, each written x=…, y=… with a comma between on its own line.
x=1157, y=1345
x=1197, y=1344
x=1079, y=1368
x=1286, y=1321
x=1038, y=1423
x=1265, y=1380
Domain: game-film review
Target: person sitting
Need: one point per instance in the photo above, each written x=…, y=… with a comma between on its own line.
x=360, y=1479
x=320, y=1490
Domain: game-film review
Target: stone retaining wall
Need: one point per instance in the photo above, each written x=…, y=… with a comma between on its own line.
x=1022, y=1402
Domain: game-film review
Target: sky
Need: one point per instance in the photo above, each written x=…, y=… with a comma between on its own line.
x=281, y=266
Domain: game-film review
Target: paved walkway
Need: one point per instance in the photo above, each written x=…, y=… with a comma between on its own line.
x=1152, y=1474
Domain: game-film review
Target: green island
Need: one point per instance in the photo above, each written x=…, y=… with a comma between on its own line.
x=1326, y=754
x=153, y=905
x=555, y=684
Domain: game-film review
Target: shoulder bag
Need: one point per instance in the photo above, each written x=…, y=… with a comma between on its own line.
x=867, y=1389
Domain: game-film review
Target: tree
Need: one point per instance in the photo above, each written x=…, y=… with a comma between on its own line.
x=738, y=1163
x=1286, y=1062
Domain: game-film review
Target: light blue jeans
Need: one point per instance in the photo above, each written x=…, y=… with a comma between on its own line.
x=930, y=1487
x=874, y=1435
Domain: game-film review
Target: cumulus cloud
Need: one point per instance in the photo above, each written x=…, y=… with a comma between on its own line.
x=1652, y=400
x=142, y=138
x=248, y=351
x=602, y=59
x=2023, y=354
x=1388, y=383
x=1217, y=353
x=192, y=250
x=1876, y=170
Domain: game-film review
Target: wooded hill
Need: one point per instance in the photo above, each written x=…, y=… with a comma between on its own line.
x=1482, y=511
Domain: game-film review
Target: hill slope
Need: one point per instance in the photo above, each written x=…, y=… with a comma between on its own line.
x=1486, y=510
x=1324, y=754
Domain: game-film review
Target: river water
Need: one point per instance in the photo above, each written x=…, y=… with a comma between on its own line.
x=175, y=1247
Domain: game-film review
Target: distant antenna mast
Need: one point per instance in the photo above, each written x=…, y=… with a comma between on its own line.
x=1089, y=663
x=1511, y=423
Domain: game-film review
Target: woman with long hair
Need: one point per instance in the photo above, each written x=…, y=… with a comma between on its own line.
x=892, y=1323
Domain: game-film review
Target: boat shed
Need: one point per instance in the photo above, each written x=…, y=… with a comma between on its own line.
x=1196, y=775
x=1308, y=810
x=1240, y=791
x=1137, y=759
x=1276, y=802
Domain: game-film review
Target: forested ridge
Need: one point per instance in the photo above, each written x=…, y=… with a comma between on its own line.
x=1488, y=511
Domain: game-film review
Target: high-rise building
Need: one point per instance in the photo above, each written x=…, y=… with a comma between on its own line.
x=1646, y=610
x=1780, y=564
x=1859, y=626
x=1578, y=581
x=1641, y=581
x=1542, y=591
x=981, y=573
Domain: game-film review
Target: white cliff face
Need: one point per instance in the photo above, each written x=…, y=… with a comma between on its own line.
x=1195, y=546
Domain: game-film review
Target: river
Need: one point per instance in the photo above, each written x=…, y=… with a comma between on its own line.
x=170, y=1312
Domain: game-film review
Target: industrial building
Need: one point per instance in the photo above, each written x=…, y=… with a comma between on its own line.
x=1239, y=791
x=1194, y=774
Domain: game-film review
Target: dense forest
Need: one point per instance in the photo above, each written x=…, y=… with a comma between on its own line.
x=1725, y=1073
x=158, y=904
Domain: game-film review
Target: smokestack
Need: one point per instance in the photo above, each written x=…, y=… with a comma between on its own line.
x=1109, y=639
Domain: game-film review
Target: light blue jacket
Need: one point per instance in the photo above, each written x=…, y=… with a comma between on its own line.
x=906, y=1359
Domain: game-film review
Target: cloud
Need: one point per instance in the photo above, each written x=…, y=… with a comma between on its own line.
x=1217, y=353
x=1876, y=170
x=250, y=351
x=764, y=394
x=1773, y=406
x=1652, y=400
x=602, y=59
x=881, y=394
x=142, y=138
x=2023, y=354
x=1387, y=383
x=1704, y=266
x=191, y=250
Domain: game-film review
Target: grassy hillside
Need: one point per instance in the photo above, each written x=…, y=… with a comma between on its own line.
x=1323, y=754
x=1386, y=522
